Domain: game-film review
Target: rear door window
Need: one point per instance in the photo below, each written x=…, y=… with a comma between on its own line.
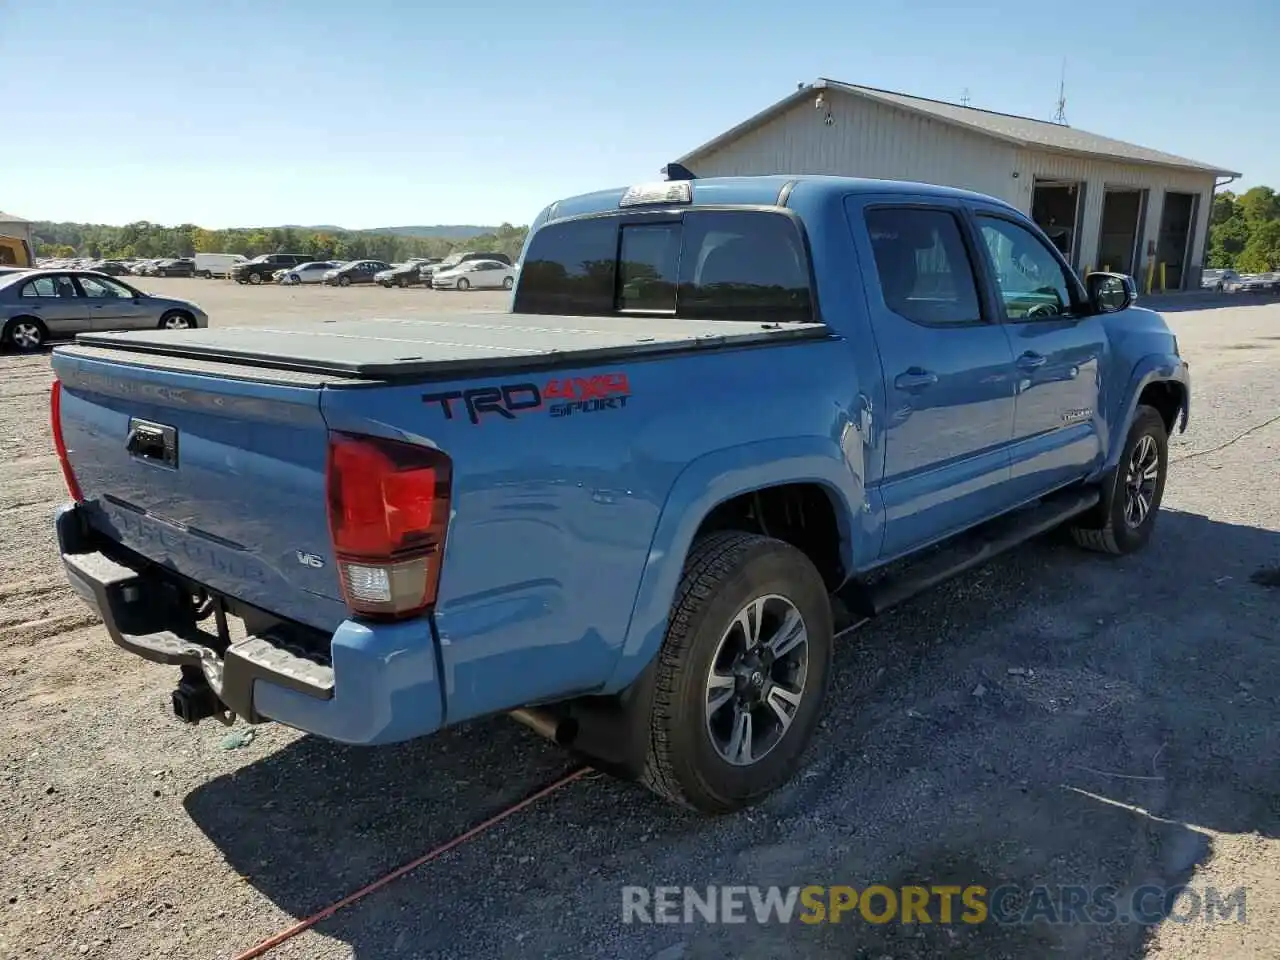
x=705, y=264
x=923, y=266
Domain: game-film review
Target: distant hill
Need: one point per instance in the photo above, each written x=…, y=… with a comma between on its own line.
x=442, y=230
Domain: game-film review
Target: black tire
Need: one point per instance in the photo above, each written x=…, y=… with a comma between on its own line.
x=255, y=278
x=206, y=274
x=1110, y=528
x=723, y=574
x=463, y=283
x=344, y=281
x=507, y=283
x=35, y=334
x=402, y=283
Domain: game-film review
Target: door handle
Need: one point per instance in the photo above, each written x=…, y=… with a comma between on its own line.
x=1031, y=360
x=915, y=379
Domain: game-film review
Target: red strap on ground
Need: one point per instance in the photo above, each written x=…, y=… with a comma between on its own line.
x=276, y=939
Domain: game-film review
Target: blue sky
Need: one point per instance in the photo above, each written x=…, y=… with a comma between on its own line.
x=376, y=113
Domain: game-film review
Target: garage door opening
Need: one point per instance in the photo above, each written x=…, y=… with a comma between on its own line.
x=1175, y=237
x=1122, y=216
x=1055, y=207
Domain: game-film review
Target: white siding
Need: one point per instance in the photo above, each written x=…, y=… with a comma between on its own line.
x=869, y=139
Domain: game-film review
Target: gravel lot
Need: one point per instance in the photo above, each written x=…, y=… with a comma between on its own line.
x=1135, y=741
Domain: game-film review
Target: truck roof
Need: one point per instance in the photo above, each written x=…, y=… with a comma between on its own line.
x=444, y=346
x=763, y=191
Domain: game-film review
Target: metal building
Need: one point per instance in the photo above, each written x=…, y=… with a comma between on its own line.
x=1105, y=203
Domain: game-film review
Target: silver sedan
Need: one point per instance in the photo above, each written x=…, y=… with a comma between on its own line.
x=41, y=305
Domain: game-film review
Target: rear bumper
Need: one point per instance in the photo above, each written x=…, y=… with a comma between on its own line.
x=379, y=684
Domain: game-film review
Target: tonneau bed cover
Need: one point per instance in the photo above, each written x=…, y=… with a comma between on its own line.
x=444, y=346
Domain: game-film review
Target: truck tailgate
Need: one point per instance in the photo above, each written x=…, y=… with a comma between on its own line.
x=220, y=479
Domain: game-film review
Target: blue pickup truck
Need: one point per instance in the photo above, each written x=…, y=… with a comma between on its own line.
x=723, y=421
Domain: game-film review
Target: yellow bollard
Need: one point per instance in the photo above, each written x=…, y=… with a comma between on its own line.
x=1163, y=277
x=1107, y=268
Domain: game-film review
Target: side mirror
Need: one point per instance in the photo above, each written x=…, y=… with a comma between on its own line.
x=1110, y=292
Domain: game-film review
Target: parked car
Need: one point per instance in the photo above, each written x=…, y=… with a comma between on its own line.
x=143, y=268
x=357, y=271
x=405, y=274
x=112, y=268
x=210, y=265
x=41, y=305
x=1219, y=280
x=310, y=272
x=478, y=274
x=1256, y=282
x=174, y=267
x=643, y=542
x=448, y=263
x=259, y=269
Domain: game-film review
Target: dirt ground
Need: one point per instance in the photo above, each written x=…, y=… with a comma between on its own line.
x=1055, y=717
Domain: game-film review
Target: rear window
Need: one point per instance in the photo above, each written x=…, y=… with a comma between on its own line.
x=706, y=264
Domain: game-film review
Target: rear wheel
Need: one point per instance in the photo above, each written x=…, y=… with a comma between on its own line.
x=742, y=673
x=27, y=334
x=206, y=274
x=507, y=283
x=1123, y=522
x=177, y=320
x=464, y=283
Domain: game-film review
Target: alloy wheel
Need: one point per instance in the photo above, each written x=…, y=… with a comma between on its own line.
x=26, y=336
x=757, y=680
x=1141, y=477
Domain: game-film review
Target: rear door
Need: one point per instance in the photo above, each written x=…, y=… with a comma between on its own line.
x=1059, y=346
x=58, y=303
x=947, y=366
x=112, y=305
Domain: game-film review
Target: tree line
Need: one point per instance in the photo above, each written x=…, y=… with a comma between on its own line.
x=148, y=240
x=1244, y=231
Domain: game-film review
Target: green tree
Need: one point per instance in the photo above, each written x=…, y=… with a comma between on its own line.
x=1225, y=206
x=1260, y=205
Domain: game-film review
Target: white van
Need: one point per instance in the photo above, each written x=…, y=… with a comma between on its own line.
x=216, y=264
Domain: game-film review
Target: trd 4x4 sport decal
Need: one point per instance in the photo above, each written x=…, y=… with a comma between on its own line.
x=562, y=397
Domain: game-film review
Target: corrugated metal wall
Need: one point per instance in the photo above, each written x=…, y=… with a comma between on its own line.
x=868, y=139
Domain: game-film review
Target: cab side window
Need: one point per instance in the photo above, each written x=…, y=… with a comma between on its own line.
x=1030, y=280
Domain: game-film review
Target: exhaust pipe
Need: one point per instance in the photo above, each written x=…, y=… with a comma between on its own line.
x=546, y=724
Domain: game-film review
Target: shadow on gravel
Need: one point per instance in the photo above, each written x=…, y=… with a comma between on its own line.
x=1054, y=718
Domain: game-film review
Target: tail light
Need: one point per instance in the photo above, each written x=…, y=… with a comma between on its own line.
x=388, y=515
x=60, y=444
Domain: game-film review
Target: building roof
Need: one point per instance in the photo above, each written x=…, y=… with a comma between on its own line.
x=10, y=218
x=1021, y=131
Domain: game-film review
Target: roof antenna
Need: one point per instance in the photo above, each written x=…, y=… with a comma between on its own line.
x=964, y=97
x=1061, y=116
